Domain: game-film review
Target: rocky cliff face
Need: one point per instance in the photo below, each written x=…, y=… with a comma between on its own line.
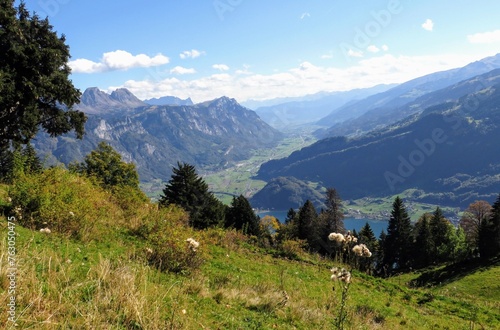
x=208, y=135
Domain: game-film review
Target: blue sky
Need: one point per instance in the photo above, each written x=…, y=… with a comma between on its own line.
x=256, y=49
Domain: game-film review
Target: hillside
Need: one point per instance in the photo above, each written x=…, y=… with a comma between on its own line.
x=105, y=283
x=390, y=102
x=448, y=152
x=208, y=135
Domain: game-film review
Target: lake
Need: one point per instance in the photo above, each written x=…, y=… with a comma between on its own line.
x=350, y=223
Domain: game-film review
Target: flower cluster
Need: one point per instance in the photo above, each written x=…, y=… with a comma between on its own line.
x=193, y=245
x=350, y=238
x=361, y=251
x=337, y=237
x=341, y=274
x=45, y=230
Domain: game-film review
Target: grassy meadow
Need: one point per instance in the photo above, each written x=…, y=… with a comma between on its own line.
x=102, y=273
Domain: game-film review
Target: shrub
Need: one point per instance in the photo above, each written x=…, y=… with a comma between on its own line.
x=172, y=245
x=63, y=202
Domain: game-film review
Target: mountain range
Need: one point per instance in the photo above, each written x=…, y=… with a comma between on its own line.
x=209, y=135
x=394, y=104
x=447, y=150
x=292, y=112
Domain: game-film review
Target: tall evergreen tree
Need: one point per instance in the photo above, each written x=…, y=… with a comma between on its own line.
x=489, y=234
x=240, y=215
x=397, y=247
x=423, y=244
x=307, y=226
x=189, y=191
x=331, y=220
x=333, y=217
x=367, y=236
x=439, y=227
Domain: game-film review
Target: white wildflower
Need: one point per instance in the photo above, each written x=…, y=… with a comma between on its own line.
x=9, y=199
x=149, y=250
x=71, y=213
x=340, y=274
x=361, y=251
x=45, y=230
x=193, y=245
x=337, y=237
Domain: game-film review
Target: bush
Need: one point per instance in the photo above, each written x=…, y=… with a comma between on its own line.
x=167, y=233
x=62, y=202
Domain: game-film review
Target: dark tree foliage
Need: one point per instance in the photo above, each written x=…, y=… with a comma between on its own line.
x=241, y=216
x=307, y=226
x=189, y=191
x=333, y=216
x=367, y=236
x=106, y=165
x=331, y=220
x=35, y=90
x=439, y=229
x=489, y=233
x=380, y=267
x=398, y=243
x=17, y=161
x=423, y=245
x=288, y=230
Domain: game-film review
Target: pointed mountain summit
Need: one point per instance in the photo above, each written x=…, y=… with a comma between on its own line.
x=95, y=101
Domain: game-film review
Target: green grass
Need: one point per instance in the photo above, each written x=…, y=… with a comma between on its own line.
x=106, y=283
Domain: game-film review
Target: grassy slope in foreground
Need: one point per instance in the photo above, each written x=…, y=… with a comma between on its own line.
x=105, y=283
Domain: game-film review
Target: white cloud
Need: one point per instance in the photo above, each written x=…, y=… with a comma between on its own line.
x=221, y=67
x=353, y=53
x=305, y=78
x=385, y=48
x=488, y=37
x=304, y=15
x=428, y=25
x=373, y=49
x=117, y=60
x=193, y=53
x=181, y=70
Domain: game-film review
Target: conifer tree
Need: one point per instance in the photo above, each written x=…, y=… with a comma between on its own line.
x=367, y=237
x=439, y=227
x=423, y=244
x=241, y=216
x=189, y=191
x=489, y=234
x=397, y=247
x=307, y=226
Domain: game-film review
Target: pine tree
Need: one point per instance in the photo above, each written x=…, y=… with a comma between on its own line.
x=189, y=191
x=397, y=247
x=489, y=234
x=367, y=236
x=439, y=227
x=307, y=226
x=241, y=216
x=423, y=244
x=333, y=217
